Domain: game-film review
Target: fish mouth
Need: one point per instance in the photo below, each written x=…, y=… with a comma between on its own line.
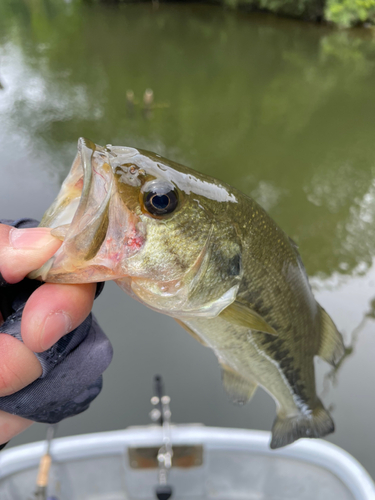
x=91, y=220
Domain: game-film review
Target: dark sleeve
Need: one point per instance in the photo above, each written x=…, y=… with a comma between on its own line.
x=72, y=368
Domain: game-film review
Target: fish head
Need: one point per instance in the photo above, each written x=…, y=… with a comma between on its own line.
x=160, y=230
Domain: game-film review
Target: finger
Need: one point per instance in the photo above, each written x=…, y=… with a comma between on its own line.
x=54, y=310
x=18, y=365
x=23, y=250
x=11, y=425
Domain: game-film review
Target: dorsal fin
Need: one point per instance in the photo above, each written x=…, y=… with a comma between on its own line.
x=293, y=243
x=331, y=347
x=241, y=315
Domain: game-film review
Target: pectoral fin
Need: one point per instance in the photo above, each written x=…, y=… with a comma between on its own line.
x=192, y=332
x=331, y=347
x=242, y=315
x=239, y=389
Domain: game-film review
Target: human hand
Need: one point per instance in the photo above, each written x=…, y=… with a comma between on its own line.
x=52, y=311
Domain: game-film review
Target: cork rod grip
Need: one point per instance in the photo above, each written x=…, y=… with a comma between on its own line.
x=44, y=467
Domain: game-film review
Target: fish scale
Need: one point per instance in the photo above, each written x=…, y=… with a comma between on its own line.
x=210, y=257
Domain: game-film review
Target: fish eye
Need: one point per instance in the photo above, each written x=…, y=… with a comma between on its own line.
x=160, y=201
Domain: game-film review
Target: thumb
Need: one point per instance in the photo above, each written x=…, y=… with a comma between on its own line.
x=23, y=250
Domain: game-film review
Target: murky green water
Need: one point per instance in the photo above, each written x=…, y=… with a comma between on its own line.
x=283, y=110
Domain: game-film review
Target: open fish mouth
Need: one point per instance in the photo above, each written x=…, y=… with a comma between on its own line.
x=91, y=219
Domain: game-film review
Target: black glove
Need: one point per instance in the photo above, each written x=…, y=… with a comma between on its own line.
x=72, y=367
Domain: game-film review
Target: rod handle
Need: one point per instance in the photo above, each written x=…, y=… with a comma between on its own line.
x=44, y=467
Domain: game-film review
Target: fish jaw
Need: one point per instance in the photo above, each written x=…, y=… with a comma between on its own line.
x=108, y=233
x=98, y=230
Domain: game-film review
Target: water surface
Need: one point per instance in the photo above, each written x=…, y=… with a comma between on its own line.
x=282, y=110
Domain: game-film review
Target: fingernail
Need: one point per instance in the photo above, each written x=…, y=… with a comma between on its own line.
x=33, y=238
x=55, y=326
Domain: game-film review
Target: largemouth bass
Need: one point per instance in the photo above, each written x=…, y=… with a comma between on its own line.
x=198, y=250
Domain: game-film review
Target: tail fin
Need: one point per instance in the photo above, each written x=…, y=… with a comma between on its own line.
x=287, y=430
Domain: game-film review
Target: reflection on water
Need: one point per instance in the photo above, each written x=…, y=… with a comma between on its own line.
x=280, y=109
x=248, y=99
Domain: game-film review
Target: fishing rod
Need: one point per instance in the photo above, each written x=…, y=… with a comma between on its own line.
x=161, y=414
x=44, y=468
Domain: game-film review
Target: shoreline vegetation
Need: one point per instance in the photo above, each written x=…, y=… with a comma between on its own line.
x=342, y=13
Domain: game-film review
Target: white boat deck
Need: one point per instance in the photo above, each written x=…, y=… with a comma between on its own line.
x=237, y=464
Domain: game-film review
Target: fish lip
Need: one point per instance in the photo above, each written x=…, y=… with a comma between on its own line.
x=91, y=219
x=95, y=195
x=98, y=207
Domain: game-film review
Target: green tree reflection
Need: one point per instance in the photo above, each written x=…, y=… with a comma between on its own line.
x=281, y=110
